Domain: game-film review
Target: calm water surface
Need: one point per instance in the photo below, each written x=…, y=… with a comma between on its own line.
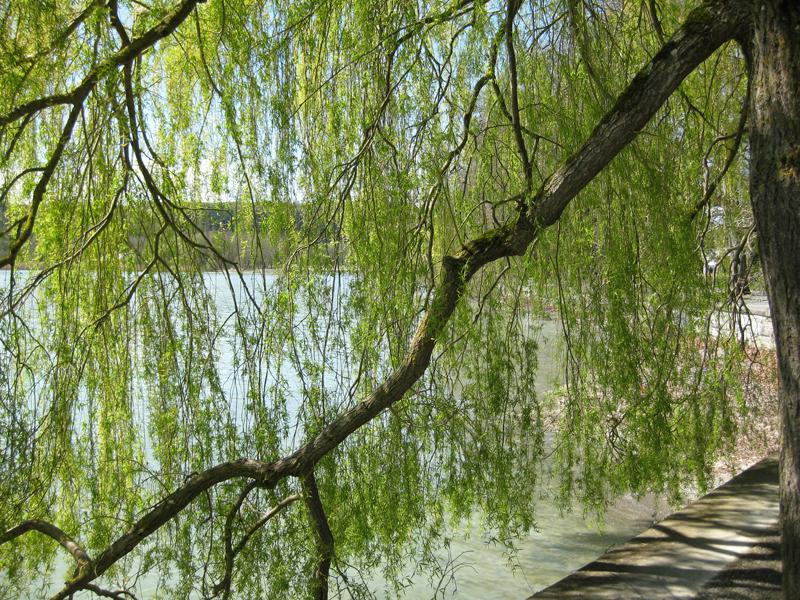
x=560, y=544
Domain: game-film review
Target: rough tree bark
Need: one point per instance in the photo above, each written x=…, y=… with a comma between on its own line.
x=773, y=46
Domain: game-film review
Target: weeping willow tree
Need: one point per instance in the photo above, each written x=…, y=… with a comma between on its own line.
x=410, y=188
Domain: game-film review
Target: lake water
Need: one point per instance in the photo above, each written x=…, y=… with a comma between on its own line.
x=561, y=543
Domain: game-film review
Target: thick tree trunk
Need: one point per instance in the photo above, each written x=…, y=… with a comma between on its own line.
x=774, y=48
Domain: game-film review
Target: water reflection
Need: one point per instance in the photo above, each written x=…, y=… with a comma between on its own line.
x=473, y=567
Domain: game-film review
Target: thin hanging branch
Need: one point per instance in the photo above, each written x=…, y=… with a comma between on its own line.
x=513, y=9
x=231, y=551
x=737, y=136
x=76, y=98
x=706, y=29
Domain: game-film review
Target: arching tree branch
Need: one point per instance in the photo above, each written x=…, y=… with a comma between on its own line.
x=708, y=27
x=76, y=550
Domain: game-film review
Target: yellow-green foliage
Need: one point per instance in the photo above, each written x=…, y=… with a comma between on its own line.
x=312, y=171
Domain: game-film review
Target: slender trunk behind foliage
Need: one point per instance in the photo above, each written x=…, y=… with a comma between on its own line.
x=774, y=48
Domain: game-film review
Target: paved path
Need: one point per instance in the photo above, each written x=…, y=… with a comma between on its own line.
x=755, y=576
x=686, y=551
